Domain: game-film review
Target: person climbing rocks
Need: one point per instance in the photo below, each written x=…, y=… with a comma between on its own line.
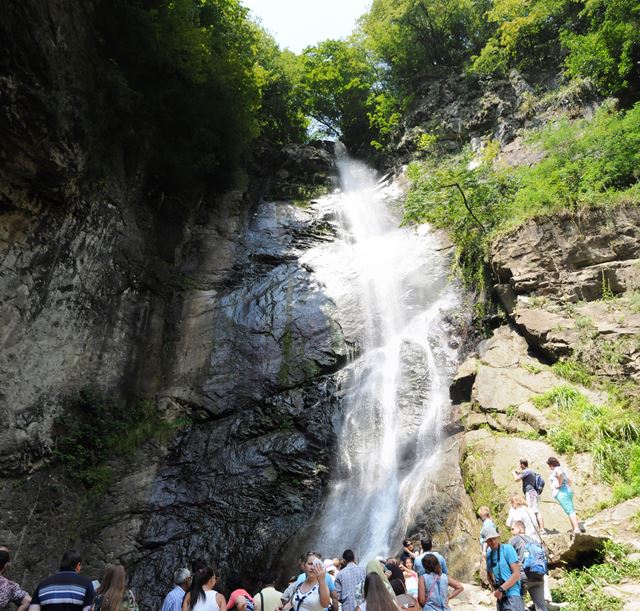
x=520, y=511
x=528, y=478
x=520, y=540
x=562, y=492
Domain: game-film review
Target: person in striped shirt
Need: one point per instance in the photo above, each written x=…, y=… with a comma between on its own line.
x=67, y=590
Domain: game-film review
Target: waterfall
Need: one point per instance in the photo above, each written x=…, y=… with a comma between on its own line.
x=391, y=288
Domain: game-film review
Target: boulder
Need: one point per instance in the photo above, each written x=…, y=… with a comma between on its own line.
x=616, y=523
x=473, y=597
x=462, y=384
x=507, y=377
x=602, y=334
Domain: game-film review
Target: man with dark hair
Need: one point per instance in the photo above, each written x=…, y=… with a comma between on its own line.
x=418, y=567
x=528, y=478
x=348, y=579
x=10, y=591
x=268, y=598
x=67, y=590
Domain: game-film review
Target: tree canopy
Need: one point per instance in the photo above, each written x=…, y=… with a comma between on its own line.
x=205, y=81
x=201, y=77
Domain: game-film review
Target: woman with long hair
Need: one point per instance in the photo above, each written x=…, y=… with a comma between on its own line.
x=111, y=595
x=376, y=595
x=201, y=595
x=561, y=491
x=433, y=586
x=313, y=593
x=374, y=566
x=410, y=577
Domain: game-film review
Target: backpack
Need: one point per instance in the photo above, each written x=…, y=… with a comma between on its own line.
x=534, y=560
x=538, y=483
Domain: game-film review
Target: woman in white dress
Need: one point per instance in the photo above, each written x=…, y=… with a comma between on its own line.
x=202, y=596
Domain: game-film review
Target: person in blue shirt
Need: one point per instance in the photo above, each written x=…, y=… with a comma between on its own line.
x=181, y=581
x=503, y=572
x=426, y=549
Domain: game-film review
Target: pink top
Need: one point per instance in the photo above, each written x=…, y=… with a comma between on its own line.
x=234, y=596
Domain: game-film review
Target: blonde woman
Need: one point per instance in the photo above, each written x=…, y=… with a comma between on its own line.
x=520, y=512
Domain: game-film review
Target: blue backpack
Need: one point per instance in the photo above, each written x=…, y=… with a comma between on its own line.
x=534, y=561
x=538, y=483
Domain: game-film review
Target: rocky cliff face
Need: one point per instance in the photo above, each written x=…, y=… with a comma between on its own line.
x=560, y=279
x=569, y=285
x=192, y=300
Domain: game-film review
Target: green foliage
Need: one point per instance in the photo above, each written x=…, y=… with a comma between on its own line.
x=281, y=113
x=610, y=432
x=608, y=51
x=336, y=86
x=436, y=199
x=479, y=483
x=598, y=39
x=199, y=78
x=585, y=163
x=607, y=293
x=583, y=589
x=384, y=116
x=526, y=32
x=414, y=38
x=573, y=371
x=632, y=301
x=95, y=429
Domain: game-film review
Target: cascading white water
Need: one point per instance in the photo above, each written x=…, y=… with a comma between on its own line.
x=391, y=288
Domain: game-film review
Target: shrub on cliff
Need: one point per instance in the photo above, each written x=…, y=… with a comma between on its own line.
x=585, y=163
x=95, y=429
x=599, y=39
x=610, y=432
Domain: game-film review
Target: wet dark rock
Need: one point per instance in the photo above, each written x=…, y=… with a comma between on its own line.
x=195, y=302
x=237, y=487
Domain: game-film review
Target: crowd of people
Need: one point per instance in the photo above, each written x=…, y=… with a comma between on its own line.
x=417, y=577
